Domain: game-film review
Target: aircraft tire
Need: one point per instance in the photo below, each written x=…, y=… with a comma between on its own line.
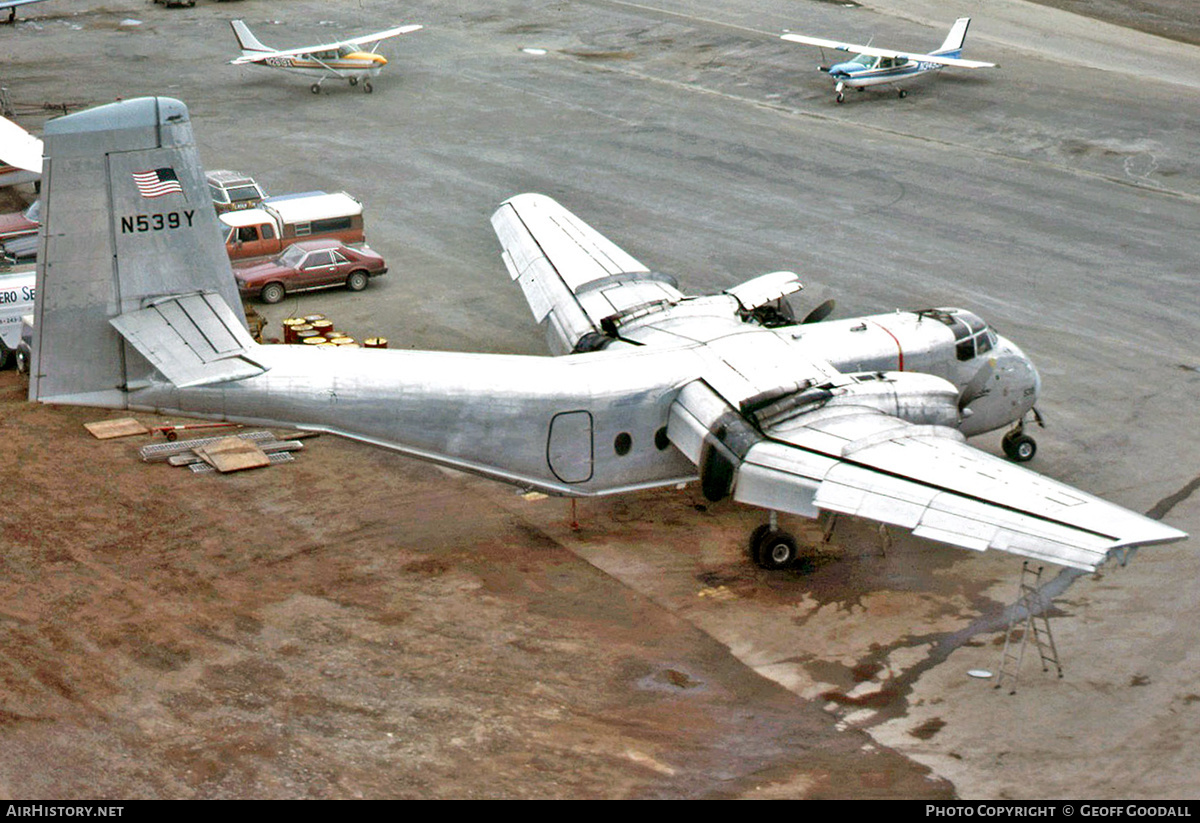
x=367, y=87
x=903, y=94
x=1019, y=448
x=5, y=356
x=776, y=551
x=315, y=88
x=756, y=537
x=841, y=98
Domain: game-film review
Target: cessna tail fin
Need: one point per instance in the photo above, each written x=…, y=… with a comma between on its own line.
x=128, y=223
x=956, y=38
x=246, y=39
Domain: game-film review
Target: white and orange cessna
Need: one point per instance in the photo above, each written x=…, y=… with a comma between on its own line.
x=345, y=59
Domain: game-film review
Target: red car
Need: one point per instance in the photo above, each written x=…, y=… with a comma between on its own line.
x=312, y=264
x=19, y=223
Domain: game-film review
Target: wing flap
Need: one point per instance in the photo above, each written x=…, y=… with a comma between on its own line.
x=193, y=339
x=572, y=276
x=861, y=462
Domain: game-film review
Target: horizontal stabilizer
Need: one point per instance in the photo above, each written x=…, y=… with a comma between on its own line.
x=193, y=339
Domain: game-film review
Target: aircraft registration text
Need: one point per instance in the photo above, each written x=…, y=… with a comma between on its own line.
x=162, y=221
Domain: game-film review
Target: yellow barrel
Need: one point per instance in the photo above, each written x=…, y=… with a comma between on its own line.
x=375, y=343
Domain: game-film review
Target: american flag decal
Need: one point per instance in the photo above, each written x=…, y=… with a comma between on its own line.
x=157, y=182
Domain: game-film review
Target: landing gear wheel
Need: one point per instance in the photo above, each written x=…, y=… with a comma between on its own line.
x=776, y=550
x=903, y=94
x=841, y=98
x=315, y=88
x=354, y=81
x=1019, y=447
x=756, y=537
x=367, y=87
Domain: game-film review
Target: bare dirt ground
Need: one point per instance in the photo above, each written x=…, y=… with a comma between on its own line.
x=360, y=625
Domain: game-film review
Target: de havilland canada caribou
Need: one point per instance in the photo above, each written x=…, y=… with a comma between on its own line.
x=136, y=309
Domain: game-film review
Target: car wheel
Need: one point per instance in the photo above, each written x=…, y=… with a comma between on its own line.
x=272, y=293
x=357, y=281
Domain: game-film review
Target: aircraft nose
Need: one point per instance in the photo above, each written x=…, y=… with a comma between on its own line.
x=381, y=60
x=1025, y=375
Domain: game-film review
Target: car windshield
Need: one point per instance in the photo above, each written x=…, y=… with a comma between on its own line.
x=291, y=257
x=34, y=212
x=237, y=194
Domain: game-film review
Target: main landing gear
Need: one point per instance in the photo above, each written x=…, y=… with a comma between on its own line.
x=772, y=548
x=315, y=88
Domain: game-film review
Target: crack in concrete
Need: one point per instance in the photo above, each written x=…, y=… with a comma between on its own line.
x=1164, y=506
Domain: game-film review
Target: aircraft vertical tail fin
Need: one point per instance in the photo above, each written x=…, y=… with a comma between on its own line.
x=127, y=222
x=955, y=39
x=246, y=39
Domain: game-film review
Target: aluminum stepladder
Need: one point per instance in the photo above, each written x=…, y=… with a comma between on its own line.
x=1031, y=608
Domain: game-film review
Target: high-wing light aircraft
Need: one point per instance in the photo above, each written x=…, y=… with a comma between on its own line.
x=866, y=417
x=344, y=59
x=875, y=66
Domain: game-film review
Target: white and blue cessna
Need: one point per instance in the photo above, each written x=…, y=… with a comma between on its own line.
x=876, y=67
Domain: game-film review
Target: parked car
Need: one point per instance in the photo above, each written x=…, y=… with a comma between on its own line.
x=311, y=264
x=19, y=223
x=232, y=190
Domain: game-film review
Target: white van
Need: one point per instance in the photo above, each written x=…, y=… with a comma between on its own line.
x=16, y=299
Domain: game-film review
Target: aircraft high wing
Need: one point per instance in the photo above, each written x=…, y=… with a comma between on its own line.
x=866, y=416
x=886, y=447
x=874, y=52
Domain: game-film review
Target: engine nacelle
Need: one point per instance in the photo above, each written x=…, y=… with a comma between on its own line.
x=917, y=398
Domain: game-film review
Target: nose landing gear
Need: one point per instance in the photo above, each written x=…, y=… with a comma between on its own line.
x=1018, y=446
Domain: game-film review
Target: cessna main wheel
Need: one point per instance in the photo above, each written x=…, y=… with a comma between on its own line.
x=367, y=87
x=315, y=88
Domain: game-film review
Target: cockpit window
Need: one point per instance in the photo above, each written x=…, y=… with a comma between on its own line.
x=867, y=60
x=972, y=336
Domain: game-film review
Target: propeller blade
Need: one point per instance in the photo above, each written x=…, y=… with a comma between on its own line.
x=978, y=386
x=820, y=312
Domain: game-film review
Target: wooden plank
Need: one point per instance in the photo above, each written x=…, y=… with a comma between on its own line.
x=232, y=454
x=122, y=427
